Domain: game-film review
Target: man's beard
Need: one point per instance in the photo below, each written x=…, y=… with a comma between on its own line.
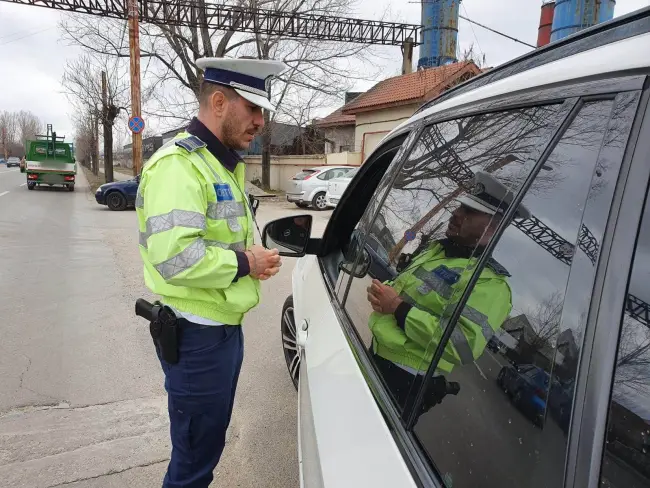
x=228, y=134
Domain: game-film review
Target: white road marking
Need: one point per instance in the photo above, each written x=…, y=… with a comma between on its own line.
x=23, y=184
x=479, y=370
x=495, y=359
x=3, y=193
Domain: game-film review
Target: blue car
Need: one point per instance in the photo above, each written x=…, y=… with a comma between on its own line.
x=118, y=195
x=527, y=387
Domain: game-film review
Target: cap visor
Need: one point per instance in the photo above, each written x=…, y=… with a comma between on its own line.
x=468, y=202
x=258, y=100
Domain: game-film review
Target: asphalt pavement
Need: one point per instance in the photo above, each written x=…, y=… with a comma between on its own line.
x=82, y=402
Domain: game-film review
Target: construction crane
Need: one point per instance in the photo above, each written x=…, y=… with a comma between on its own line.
x=240, y=19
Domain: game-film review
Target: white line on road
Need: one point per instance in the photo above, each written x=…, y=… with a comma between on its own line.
x=480, y=371
x=3, y=193
x=23, y=184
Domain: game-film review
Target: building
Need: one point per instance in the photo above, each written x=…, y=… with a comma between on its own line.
x=386, y=105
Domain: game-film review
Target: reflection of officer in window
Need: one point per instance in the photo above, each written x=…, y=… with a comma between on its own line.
x=406, y=325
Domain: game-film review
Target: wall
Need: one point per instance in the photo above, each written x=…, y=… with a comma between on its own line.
x=373, y=126
x=283, y=168
x=342, y=138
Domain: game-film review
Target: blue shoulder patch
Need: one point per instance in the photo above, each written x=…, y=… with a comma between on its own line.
x=191, y=143
x=495, y=266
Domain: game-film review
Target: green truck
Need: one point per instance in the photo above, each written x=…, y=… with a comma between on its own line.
x=49, y=161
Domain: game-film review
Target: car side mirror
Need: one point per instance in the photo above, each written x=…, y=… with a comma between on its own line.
x=360, y=269
x=289, y=235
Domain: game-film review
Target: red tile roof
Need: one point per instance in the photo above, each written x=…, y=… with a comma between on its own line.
x=416, y=87
x=336, y=118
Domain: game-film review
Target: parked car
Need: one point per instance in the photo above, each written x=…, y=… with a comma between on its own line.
x=526, y=385
x=336, y=187
x=13, y=162
x=310, y=185
x=566, y=128
x=118, y=195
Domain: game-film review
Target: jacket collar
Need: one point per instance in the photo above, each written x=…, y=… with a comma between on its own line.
x=453, y=250
x=227, y=157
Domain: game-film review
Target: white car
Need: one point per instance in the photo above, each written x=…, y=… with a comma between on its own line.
x=310, y=185
x=336, y=187
x=566, y=128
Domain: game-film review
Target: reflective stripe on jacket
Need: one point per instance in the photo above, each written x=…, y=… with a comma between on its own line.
x=192, y=216
x=433, y=284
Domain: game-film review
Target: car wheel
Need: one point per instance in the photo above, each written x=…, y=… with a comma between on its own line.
x=518, y=397
x=289, y=346
x=31, y=186
x=302, y=204
x=116, y=201
x=71, y=188
x=319, y=202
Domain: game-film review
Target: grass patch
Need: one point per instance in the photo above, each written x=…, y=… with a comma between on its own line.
x=93, y=181
x=124, y=171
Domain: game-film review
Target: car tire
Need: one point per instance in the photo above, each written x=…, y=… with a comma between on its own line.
x=31, y=186
x=302, y=205
x=319, y=202
x=115, y=201
x=517, y=398
x=289, y=345
x=71, y=188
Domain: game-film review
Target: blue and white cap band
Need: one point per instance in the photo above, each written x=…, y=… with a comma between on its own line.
x=236, y=80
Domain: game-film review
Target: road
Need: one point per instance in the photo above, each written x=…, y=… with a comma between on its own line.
x=82, y=401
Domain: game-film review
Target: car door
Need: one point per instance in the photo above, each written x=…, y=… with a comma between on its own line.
x=131, y=189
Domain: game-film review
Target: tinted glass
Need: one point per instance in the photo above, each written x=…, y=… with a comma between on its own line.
x=414, y=245
x=484, y=422
x=626, y=460
x=304, y=174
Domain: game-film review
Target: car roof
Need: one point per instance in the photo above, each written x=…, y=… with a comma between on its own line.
x=619, y=45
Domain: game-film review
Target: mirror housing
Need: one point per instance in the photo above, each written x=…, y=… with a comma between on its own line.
x=289, y=235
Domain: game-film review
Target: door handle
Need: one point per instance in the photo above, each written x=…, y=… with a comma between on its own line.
x=301, y=333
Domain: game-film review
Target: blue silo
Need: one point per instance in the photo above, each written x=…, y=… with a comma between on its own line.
x=574, y=15
x=439, y=33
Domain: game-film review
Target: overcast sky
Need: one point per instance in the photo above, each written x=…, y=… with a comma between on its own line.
x=32, y=56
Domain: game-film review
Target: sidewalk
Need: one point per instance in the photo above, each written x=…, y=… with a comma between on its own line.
x=117, y=176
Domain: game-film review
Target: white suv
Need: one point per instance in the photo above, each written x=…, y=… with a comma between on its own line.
x=396, y=385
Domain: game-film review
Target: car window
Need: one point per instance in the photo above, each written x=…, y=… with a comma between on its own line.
x=626, y=461
x=494, y=430
x=429, y=261
x=304, y=174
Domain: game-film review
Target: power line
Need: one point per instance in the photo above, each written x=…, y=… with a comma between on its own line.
x=497, y=32
x=473, y=32
x=26, y=36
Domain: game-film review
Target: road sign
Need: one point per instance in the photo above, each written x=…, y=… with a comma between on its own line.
x=136, y=124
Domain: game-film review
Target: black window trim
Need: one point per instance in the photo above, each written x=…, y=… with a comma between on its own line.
x=414, y=455
x=595, y=378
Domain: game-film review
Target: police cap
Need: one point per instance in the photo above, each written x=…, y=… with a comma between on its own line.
x=248, y=77
x=490, y=196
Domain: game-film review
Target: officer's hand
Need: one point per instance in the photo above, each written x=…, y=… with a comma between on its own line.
x=383, y=298
x=263, y=263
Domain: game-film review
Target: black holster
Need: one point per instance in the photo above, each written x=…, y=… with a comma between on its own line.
x=163, y=326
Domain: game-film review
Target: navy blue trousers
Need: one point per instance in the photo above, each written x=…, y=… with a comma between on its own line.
x=200, y=393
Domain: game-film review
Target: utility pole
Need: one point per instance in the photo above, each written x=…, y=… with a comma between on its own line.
x=96, y=142
x=108, y=134
x=134, y=51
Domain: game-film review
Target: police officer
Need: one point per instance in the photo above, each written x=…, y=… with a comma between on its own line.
x=196, y=241
x=407, y=325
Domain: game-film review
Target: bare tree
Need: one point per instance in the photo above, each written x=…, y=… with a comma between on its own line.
x=171, y=79
x=86, y=138
x=470, y=54
x=633, y=361
x=28, y=125
x=82, y=80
